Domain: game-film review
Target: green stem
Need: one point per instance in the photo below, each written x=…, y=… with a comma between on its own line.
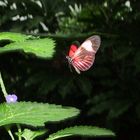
x=2, y=86
x=10, y=133
x=19, y=130
x=5, y=94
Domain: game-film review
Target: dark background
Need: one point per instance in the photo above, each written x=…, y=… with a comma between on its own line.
x=109, y=93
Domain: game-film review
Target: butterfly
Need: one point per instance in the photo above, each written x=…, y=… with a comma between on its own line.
x=82, y=58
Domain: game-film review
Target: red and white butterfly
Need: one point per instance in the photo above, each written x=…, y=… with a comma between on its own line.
x=82, y=58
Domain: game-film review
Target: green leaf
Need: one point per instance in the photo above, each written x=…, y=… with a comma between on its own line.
x=118, y=108
x=28, y=134
x=40, y=47
x=17, y=37
x=35, y=114
x=91, y=131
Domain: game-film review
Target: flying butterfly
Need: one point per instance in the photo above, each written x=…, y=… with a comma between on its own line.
x=82, y=58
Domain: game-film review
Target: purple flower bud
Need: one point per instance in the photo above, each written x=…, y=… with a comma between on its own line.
x=11, y=98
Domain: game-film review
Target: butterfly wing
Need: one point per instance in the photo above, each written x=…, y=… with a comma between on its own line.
x=84, y=56
x=96, y=42
x=72, y=50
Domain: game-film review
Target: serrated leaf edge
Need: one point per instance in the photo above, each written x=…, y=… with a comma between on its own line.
x=51, y=136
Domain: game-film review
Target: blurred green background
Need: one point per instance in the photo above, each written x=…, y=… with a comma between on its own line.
x=109, y=93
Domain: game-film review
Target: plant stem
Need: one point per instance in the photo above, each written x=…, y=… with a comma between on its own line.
x=19, y=130
x=5, y=94
x=10, y=133
x=2, y=86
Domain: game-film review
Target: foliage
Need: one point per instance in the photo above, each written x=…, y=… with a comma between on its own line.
x=28, y=134
x=40, y=47
x=16, y=37
x=34, y=114
x=110, y=89
x=81, y=130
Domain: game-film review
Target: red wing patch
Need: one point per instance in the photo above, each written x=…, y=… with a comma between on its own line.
x=82, y=58
x=72, y=50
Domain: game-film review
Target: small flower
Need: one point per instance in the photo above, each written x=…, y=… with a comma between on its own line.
x=11, y=98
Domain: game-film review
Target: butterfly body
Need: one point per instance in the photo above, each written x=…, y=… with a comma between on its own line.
x=82, y=58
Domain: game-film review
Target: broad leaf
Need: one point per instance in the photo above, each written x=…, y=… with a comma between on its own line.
x=40, y=47
x=81, y=131
x=17, y=37
x=28, y=134
x=35, y=114
x=119, y=108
